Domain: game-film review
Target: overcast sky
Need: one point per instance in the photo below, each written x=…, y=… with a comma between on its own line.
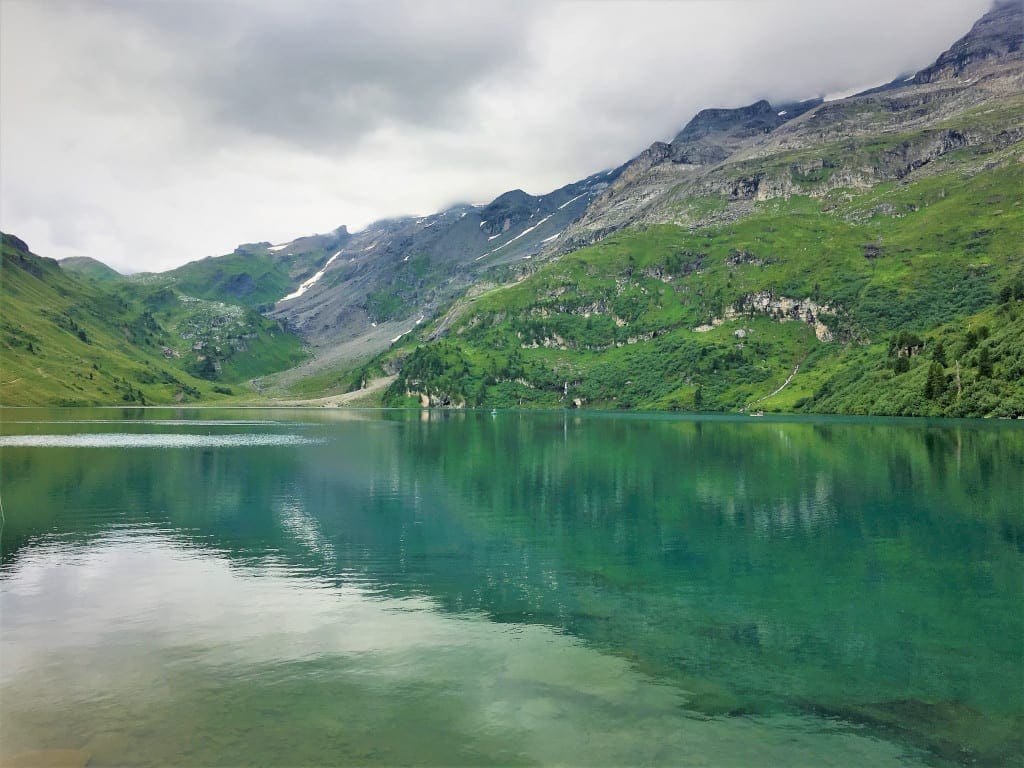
x=148, y=134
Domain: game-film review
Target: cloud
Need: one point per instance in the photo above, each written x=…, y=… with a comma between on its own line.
x=323, y=75
x=149, y=134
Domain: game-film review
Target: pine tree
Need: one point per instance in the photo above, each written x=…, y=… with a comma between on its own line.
x=935, y=384
x=984, y=363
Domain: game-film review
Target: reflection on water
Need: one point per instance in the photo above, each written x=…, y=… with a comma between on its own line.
x=377, y=589
x=128, y=440
x=156, y=652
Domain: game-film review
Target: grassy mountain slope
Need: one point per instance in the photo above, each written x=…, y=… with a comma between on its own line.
x=254, y=279
x=256, y=275
x=83, y=266
x=214, y=339
x=857, y=288
x=72, y=341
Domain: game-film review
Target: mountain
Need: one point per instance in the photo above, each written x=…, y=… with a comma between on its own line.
x=756, y=153
x=393, y=277
x=887, y=225
x=395, y=273
x=996, y=36
x=854, y=256
x=708, y=139
x=257, y=274
x=69, y=339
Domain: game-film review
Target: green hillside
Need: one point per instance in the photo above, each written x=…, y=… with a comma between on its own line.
x=254, y=275
x=251, y=278
x=83, y=266
x=906, y=299
x=73, y=341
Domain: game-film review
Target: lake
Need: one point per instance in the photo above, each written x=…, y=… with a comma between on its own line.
x=345, y=587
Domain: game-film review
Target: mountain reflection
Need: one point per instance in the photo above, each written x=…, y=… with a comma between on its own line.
x=759, y=564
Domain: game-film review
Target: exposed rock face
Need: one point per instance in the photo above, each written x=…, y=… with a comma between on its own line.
x=507, y=211
x=780, y=308
x=820, y=176
x=385, y=280
x=635, y=183
x=997, y=35
x=711, y=137
x=714, y=134
x=654, y=155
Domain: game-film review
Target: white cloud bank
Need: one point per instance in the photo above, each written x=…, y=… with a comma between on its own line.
x=150, y=134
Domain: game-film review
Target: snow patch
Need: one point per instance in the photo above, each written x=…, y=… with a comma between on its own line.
x=312, y=281
x=568, y=202
x=279, y=247
x=909, y=78
x=783, y=112
x=526, y=231
x=399, y=336
x=494, y=236
x=553, y=237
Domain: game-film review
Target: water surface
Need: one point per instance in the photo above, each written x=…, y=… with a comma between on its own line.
x=377, y=588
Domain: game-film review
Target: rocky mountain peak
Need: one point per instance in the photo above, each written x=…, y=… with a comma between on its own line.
x=507, y=211
x=995, y=35
x=713, y=134
x=510, y=198
x=709, y=121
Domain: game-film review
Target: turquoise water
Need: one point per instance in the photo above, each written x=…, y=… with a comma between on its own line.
x=340, y=587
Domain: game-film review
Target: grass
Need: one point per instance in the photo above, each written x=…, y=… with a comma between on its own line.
x=67, y=340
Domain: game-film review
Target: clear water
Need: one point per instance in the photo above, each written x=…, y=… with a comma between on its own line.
x=383, y=588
